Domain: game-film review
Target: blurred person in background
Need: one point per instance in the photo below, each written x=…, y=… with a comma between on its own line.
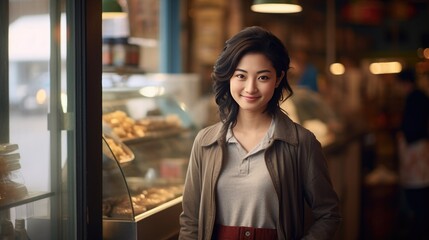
x=413, y=140
x=308, y=73
x=303, y=72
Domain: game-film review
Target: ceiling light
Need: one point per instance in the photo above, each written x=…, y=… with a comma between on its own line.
x=276, y=6
x=337, y=69
x=385, y=67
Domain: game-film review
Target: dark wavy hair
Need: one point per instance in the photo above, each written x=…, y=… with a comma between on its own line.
x=249, y=40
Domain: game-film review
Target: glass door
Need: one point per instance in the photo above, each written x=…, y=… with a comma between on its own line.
x=44, y=118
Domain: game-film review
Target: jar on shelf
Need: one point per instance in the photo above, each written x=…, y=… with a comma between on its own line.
x=119, y=50
x=133, y=55
x=20, y=231
x=107, y=54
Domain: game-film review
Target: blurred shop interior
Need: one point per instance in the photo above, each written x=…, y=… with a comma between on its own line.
x=157, y=57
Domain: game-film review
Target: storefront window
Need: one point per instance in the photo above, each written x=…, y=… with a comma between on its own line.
x=35, y=144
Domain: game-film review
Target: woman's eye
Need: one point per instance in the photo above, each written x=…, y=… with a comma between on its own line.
x=263, y=78
x=240, y=76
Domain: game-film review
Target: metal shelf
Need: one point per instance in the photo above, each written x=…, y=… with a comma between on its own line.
x=30, y=197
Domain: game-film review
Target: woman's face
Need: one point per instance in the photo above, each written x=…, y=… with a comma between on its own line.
x=253, y=83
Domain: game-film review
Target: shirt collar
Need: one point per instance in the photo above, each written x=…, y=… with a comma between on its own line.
x=284, y=130
x=230, y=138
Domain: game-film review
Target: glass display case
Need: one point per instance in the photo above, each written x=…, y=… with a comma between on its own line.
x=147, y=139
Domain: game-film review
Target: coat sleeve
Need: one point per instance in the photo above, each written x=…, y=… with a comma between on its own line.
x=320, y=194
x=191, y=196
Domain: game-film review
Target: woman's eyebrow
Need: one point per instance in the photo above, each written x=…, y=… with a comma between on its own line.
x=241, y=70
x=261, y=71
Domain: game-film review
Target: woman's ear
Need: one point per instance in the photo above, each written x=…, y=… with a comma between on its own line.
x=278, y=81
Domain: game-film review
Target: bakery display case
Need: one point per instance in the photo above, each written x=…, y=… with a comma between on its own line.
x=147, y=139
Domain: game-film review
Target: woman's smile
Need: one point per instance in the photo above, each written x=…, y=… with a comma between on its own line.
x=250, y=98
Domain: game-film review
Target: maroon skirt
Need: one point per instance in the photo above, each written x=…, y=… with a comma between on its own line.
x=240, y=233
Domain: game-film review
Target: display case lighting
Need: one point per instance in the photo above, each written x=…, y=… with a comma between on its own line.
x=152, y=91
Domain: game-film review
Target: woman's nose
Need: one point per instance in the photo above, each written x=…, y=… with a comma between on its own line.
x=251, y=86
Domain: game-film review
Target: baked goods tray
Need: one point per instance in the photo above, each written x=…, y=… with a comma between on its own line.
x=122, y=153
x=155, y=135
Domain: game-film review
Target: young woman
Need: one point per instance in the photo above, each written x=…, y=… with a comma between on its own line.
x=251, y=175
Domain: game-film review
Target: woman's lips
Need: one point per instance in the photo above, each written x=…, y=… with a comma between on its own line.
x=250, y=98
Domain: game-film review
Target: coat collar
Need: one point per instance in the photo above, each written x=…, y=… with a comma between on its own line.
x=285, y=131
